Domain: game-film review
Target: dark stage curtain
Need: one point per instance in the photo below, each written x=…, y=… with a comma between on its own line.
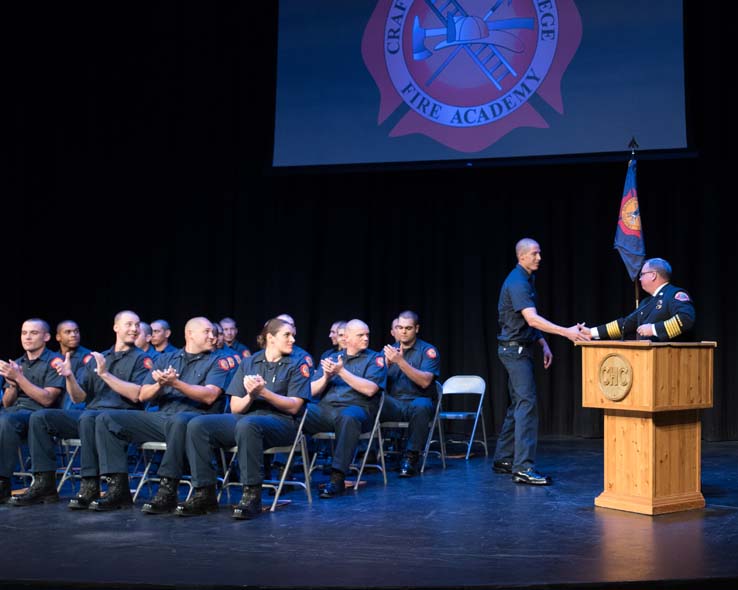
x=137, y=180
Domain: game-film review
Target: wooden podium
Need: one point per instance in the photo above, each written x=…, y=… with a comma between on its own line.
x=651, y=394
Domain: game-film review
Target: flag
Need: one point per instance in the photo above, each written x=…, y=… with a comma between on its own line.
x=629, y=233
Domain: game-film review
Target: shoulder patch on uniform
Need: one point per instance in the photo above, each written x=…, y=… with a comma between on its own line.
x=309, y=360
x=681, y=296
x=238, y=358
x=380, y=361
x=305, y=370
x=431, y=353
x=223, y=364
x=56, y=362
x=148, y=363
x=86, y=359
x=231, y=362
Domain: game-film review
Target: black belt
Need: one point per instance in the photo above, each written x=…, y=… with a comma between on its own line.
x=514, y=344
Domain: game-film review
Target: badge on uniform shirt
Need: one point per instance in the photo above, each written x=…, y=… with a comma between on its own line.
x=223, y=364
x=380, y=361
x=56, y=363
x=659, y=304
x=305, y=371
x=431, y=353
x=86, y=359
x=148, y=363
x=308, y=360
x=681, y=296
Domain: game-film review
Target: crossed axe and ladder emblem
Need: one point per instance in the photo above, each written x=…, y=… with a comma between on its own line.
x=463, y=32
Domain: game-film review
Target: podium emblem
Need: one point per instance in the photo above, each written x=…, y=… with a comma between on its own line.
x=615, y=377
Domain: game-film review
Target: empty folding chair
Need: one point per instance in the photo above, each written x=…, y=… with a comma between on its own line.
x=460, y=388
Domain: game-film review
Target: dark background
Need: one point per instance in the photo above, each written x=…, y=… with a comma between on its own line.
x=138, y=143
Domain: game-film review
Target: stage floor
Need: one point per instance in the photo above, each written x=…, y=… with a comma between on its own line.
x=464, y=526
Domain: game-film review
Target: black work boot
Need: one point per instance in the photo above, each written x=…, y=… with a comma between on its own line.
x=88, y=491
x=203, y=501
x=409, y=464
x=166, y=498
x=335, y=487
x=250, y=504
x=118, y=494
x=42, y=490
x=5, y=490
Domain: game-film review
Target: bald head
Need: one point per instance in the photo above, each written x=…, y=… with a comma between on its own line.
x=524, y=246
x=357, y=336
x=199, y=335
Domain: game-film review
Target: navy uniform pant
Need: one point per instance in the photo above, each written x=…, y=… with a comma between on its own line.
x=115, y=429
x=251, y=433
x=418, y=413
x=49, y=423
x=13, y=429
x=519, y=435
x=348, y=422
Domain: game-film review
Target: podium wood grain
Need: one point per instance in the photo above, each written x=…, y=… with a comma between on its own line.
x=652, y=437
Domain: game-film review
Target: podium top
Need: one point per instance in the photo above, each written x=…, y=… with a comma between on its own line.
x=647, y=344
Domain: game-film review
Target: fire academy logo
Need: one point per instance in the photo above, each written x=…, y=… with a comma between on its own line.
x=466, y=70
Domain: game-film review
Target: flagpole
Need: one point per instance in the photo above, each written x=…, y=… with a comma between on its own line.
x=633, y=145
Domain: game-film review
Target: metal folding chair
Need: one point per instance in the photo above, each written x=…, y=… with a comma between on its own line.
x=150, y=450
x=402, y=425
x=469, y=386
x=276, y=485
x=70, y=450
x=371, y=436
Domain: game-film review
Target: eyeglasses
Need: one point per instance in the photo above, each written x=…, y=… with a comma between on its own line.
x=646, y=272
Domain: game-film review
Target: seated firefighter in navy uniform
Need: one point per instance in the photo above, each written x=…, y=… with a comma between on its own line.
x=108, y=380
x=412, y=368
x=667, y=314
x=31, y=384
x=184, y=384
x=348, y=385
x=268, y=396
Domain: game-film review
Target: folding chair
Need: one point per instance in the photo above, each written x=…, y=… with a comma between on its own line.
x=403, y=425
x=375, y=434
x=150, y=450
x=279, y=484
x=70, y=450
x=468, y=386
x=24, y=467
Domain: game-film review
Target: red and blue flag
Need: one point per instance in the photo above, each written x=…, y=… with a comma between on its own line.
x=629, y=234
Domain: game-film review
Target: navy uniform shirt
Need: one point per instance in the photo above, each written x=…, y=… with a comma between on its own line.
x=228, y=362
x=422, y=356
x=240, y=348
x=289, y=376
x=42, y=373
x=78, y=357
x=518, y=292
x=130, y=365
x=167, y=349
x=367, y=364
x=670, y=309
x=303, y=356
x=203, y=368
x=329, y=352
